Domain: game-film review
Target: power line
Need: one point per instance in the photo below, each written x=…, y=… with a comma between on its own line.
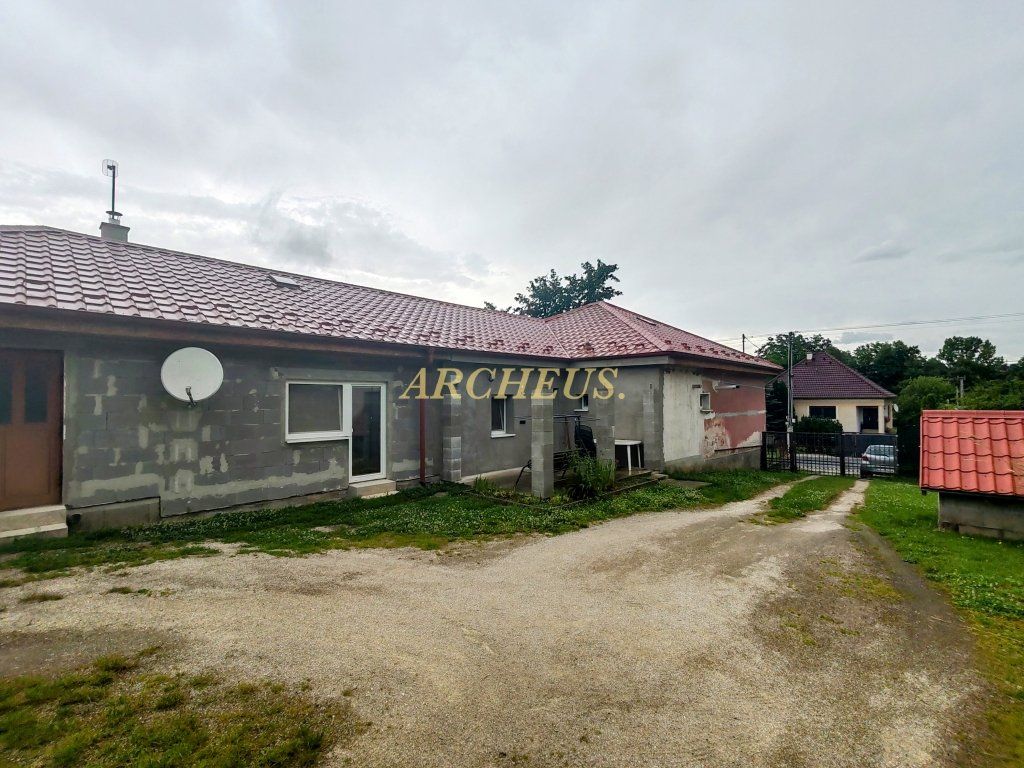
x=1007, y=317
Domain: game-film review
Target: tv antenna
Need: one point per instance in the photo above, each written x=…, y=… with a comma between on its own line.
x=110, y=169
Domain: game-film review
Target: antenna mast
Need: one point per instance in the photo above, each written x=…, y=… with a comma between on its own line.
x=110, y=169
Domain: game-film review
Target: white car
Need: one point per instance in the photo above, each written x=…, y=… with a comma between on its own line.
x=878, y=460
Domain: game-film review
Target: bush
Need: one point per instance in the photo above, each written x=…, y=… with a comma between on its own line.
x=590, y=477
x=818, y=426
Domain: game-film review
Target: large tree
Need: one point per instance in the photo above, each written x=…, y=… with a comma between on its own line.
x=776, y=348
x=889, y=363
x=921, y=394
x=972, y=358
x=552, y=294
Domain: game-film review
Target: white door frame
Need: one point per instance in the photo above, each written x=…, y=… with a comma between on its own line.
x=383, y=432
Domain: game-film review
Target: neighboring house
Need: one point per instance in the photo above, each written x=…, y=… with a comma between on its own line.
x=825, y=388
x=975, y=460
x=314, y=370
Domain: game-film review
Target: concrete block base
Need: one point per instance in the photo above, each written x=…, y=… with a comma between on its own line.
x=124, y=514
x=972, y=515
x=742, y=458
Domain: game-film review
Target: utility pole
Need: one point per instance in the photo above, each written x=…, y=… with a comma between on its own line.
x=744, y=336
x=789, y=386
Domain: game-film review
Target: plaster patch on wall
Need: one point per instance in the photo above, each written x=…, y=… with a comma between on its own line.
x=139, y=485
x=184, y=449
x=223, y=463
x=143, y=437
x=142, y=403
x=206, y=465
x=97, y=408
x=111, y=386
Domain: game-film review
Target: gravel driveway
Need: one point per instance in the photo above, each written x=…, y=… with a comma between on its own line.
x=669, y=639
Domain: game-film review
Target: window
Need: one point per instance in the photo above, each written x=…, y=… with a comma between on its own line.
x=822, y=411
x=315, y=412
x=583, y=404
x=500, y=416
x=705, y=402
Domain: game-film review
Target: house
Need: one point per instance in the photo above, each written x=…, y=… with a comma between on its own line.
x=317, y=375
x=825, y=388
x=975, y=460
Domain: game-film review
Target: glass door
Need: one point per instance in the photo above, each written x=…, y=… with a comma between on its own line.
x=368, y=433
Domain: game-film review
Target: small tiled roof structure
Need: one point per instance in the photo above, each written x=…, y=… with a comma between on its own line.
x=973, y=452
x=56, y=269
x=822, y=377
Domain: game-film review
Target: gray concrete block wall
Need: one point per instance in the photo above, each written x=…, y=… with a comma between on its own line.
x=639, y=413
x=127, y=440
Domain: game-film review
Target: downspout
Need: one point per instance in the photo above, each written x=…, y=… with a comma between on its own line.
x=423, y=425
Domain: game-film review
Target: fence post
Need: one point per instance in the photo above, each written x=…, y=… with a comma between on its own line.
x=764, y=450
x=791, y=444
x=842, y=455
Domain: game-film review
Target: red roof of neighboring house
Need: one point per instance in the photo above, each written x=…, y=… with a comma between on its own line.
x=58, y=269
x=973, y=451
x=824, y=377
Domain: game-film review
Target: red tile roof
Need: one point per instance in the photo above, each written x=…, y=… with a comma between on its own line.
x=824, y=377
x=58, y=269
x=973, y=451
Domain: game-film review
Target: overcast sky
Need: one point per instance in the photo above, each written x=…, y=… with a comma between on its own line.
x=752, y=167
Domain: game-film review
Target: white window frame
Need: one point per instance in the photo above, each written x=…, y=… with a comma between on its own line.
x=326, y=436
x=383, y=429
x=504, y=431
x=584, y=404
x=705, y=402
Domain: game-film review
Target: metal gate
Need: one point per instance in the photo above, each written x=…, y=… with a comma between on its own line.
x=830, y=453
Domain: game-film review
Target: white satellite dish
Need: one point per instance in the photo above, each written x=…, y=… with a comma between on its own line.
x=192, y=374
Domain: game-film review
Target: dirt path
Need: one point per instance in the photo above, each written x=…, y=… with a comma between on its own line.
x=670, y=639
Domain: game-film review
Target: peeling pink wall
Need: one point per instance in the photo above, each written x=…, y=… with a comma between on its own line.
x=738, y=414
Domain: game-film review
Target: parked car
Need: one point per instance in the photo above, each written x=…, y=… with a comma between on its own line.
x=878, y=460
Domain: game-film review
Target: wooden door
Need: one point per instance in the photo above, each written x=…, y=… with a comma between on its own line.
x=30, y=428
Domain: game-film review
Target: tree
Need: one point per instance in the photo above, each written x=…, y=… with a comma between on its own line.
x=972, y=358
x=776, y=405
x=921, y=394
x=551, y=294
x=1002, y=395
x=776, y=348
x=889, y=363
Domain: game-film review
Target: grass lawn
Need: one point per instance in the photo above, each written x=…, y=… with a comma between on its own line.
x=422, y=517
x=802, y=498
x=119, y=712
x=985, y=581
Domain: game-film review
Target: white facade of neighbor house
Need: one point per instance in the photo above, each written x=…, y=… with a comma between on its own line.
x=852, y=414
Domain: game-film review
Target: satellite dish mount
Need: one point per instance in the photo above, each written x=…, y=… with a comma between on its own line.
x=110, y=169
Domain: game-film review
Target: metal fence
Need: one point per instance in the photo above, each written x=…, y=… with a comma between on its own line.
x=835, y=453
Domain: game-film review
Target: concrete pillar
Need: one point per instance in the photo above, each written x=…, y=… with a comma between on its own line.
x=451, y=438
x=654, y=447
x=542, y=448
x=601, y=419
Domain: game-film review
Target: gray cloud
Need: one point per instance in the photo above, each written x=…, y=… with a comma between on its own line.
x=887, y=251
x=750, y=167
